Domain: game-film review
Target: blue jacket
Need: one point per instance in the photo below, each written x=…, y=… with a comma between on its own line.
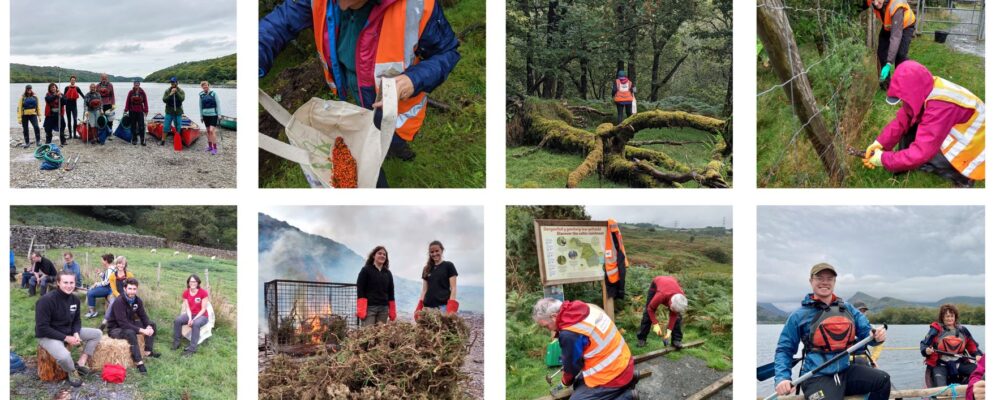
x=437, y=47
x=797, y=327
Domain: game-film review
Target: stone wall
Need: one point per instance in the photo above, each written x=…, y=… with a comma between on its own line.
x=68, y=238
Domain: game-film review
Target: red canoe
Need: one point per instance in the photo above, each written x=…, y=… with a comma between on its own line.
x=190, y=131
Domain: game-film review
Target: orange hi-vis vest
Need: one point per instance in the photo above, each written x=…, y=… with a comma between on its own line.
x=611, y=253
x=402, y=24
x=909, y=18
x=607, y=355
x=624, y=92
x=965, y=146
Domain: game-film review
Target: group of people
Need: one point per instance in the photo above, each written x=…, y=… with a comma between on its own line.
x=58, y=321
x=827, y=327
x=940, y=126
x=377, y=295
x=99, y=106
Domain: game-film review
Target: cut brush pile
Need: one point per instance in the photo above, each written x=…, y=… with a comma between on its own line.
x=387, y=361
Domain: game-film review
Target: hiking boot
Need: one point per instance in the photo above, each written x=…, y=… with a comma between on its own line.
x=677, y=345
x=642, y=342
x=176, y=345
x=401, y=149
x=153, y=354
x=26, y=145
x=74, y=379
x=141, y=368
x=187, y=353
x=83, y=370
x=104, y=324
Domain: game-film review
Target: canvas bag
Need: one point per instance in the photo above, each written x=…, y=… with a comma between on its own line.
x=314, y=127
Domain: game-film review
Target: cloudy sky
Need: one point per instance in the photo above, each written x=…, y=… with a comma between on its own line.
x=120, y=37
x=404, y=231
x=910, y=253
x=684, y=216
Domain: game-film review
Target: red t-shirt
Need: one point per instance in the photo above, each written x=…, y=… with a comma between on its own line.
x=194, y=302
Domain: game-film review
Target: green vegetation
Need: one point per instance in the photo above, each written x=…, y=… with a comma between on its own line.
x=21, y=73
x=451, y=145
x=209, y=374
x=969, y=315
x=221, y=70
x=208, y=226
x=707, y=283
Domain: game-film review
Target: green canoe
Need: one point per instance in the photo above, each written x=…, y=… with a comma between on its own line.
x=227, y=123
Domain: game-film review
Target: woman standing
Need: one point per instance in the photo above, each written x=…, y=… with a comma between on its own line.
x=101, y=288
x=92, y=102
x=71, y=93
x=28, y=110
x=117, y=285
x=209, y=106
x=54, y=121
x=194, y=306
x=137, y=106
x=440, y=282
x=945, y=348
x=376, y=293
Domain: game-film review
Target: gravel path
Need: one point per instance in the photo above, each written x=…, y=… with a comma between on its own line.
x=967, y=43
x=473, y=366
x=679, y=379
x=118, y=164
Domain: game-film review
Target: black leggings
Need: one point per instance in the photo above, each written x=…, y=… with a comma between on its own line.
x=25, y=119
x=676, y=335
x=623, y=109
x=938, y=165
x=939, y=376
x=71, y=117
x=138, y=124
x=855, y=380
x=884, y=37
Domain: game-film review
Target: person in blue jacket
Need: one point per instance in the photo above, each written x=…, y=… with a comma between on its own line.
x=827, y=325
x=361, y=42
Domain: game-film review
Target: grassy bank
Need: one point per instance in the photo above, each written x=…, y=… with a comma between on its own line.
x=701, y=262
x=209, y=374
x=68, y=218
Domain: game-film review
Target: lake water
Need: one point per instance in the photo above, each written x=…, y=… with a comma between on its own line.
x=154, y=93
x=906, y=366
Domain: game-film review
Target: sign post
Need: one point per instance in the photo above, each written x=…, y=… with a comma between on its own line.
x=571, y=251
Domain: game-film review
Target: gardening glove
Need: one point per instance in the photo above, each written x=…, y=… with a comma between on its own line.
x=657, y=330
x=392, y=311
x=362, y=308
x=875, y=160
x=567, y=379
x=420, y=306
x=871, y=148
x=886, y=72
x=452, y=307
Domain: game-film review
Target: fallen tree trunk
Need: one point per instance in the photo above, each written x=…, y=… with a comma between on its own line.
x=656, y=353
x=663, y=141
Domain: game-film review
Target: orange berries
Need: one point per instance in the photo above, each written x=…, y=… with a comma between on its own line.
x=344, y=173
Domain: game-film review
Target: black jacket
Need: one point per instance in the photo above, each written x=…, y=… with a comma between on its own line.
x=125, y=316
x=376, y=286
x=57, y=315
x=46, y=267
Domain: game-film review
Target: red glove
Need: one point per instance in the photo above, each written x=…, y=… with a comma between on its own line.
x=362, y=308
x=567, y=379
x=392, y=311
x=420, y=306
x=452, y=307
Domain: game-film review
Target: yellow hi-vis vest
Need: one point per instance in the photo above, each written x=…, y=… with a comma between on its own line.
x=402, y=24
x=965, y=146
x=611, y=253
x=607, y=355
x=909, y=18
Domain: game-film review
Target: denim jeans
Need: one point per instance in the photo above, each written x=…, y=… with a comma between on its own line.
x=168, y=120
x=97, y=292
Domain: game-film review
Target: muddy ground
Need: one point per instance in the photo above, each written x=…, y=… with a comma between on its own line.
x=27, y=386
x=679, y=379
x=967, y=42
x=118, y=164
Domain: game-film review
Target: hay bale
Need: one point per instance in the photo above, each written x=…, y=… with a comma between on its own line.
x=48, y=369
x=113, y=351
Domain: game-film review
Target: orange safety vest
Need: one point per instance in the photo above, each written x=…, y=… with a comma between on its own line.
x=611, y=253
x=965, y=146
x=894, y=5
x=624, y=92
x=607, y=355
x=403, y=23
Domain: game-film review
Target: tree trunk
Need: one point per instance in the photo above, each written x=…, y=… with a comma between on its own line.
x=48, y=369
x=582, y=85
x=654, y=94
x=776, y=35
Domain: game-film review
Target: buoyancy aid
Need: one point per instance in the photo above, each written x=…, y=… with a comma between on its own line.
x=611, y=266
x=135, y=97
x=72, y=93
x=624, y=92
x=832, y=329
x=30, y=103
x=892, y=6
x=105, y=89
x=965, y=145
x=607, y=355
x=400, y=28
x=207, y=99
x=951, y=341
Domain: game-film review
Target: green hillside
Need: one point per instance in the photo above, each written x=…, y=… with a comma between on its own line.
x=220, y=70
x=21, y=73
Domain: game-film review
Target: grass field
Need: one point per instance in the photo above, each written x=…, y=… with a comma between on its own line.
x=64, y=217
x=799, y=166
x=451, y=146
x=706, y=281
x=209, y=374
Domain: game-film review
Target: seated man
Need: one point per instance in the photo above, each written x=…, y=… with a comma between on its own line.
x=128, y=319
x=57, y=324
x=73, y=267
x=42, y=274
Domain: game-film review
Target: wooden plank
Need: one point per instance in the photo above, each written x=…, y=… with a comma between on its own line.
x=656, y=353
x=899, y=394
x=565, y=393
x=714, y=388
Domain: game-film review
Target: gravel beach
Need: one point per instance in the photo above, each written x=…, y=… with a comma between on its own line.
x=118, y=164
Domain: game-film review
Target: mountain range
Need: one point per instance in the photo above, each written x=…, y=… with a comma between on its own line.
x=769, y=313
x=22, y=73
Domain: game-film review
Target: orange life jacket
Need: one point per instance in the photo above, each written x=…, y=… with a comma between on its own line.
x=611, y=252
x=831, y=330
x=951, y=341
x=607, y=355
x=624, y=92
x=402, y=25
x=909, y=18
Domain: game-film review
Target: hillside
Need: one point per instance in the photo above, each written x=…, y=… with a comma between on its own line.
x=879, y=304
x=768, y=313
x=220, y=70
x=22, y=73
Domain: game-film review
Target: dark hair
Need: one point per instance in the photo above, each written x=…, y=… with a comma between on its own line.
x=110, y=258
x=132, y=281
x=26, y=89
x=72, y=77
x=53, y=85
x=947, y=308
x=36, y=253
x=196, y=278
x=67, y=254
x=66, y=272
x=371, y=257
x=430, y=262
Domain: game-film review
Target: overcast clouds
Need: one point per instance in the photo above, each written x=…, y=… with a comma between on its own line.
x=685, y=216
x=404, y=231
x=120, y=37
x=910, y=253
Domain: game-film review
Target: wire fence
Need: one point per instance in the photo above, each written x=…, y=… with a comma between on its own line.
x=837, y=31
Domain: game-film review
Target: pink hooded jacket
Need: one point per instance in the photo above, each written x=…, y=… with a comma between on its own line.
x=912, y=83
